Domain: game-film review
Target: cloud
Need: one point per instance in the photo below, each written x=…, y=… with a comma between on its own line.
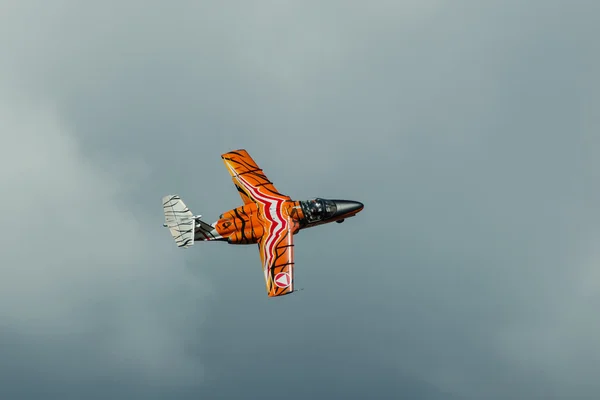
x=80, y=271
x=468, y=130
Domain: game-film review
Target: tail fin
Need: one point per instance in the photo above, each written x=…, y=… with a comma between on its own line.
x=185, y=227
x=179, y=219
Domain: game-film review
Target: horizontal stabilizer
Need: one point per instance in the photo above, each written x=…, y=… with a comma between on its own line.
x=179, y=219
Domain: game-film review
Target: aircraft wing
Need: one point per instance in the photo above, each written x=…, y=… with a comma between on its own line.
x=250, y=181
x=277, y=243
x=277, y=254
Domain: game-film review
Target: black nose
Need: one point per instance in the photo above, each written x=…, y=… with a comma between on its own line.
x=345, y=207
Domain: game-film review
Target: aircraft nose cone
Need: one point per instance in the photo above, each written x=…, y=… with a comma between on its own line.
x=345, y=207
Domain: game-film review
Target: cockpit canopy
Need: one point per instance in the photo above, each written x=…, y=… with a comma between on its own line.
x=318, y=209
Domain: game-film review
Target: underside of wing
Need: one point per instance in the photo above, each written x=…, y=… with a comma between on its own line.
x=277, y=255
x=250, y=181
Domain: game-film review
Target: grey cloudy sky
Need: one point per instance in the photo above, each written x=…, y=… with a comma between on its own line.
x=468, y=129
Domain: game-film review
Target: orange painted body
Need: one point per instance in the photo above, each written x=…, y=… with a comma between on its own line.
x=269, y=219
x=245, y=224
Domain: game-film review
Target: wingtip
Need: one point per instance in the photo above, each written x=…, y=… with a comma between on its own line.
x=233, y=151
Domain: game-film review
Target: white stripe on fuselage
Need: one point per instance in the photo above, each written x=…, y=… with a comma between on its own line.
x=273, y=212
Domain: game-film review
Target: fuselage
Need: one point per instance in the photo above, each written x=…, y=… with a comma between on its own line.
x=245, y=224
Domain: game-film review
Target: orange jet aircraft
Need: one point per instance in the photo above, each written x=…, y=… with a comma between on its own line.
x=267, y=218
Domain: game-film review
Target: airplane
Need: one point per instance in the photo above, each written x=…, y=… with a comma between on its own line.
x=267, y=218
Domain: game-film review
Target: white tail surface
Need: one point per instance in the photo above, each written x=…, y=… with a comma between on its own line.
x=180, y=220
x=186, y=228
